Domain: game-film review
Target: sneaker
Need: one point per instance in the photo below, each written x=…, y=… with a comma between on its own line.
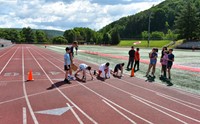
x=67, y=81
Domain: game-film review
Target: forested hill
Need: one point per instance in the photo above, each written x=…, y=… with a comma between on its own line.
x=162, y=19
x=49, y=33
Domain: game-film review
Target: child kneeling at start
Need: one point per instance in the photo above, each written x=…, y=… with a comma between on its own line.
x=83, y=67
x=117, y=68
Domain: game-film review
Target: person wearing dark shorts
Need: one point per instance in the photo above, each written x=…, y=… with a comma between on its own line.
x=117, y=68
x=67, y=63
x=170, y=62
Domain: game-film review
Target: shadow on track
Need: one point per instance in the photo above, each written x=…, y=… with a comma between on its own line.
x=57, y=84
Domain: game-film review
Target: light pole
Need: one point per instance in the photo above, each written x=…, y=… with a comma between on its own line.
x=149, y=28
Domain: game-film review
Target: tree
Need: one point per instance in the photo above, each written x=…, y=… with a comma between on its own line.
x=70, y=35
x=187, y=20
x=28, y=35
x=157, y=35
x=59, y=40
x=40, y=36
x=106, y=38
x=145, y=35
x=115, y=38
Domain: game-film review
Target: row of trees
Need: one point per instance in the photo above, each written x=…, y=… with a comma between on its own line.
x=82, y=35
x=26, y=35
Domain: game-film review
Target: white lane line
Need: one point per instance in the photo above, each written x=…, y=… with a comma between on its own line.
x=153, y=103
x=24, y=116
x=175, y=89
x=133, y=122
x=179, y=101
x=86, y=115
x=5, y=53
x=166, y=109
x=8, y=61
x=25, y=93
x=105, y=97
x=77, y=117
x=160, y=110
x=157, y=92
x=40, y=93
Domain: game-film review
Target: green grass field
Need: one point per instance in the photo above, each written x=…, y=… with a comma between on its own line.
x=186, y=80
x=144, y=43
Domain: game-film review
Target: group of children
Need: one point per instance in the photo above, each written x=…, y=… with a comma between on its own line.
x=166, y=60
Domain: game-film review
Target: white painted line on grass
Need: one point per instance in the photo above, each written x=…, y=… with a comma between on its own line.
x=25, y=93
x=133, y=122
x=77, y=117
x=24, y=116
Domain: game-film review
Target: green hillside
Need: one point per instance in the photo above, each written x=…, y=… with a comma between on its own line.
x=162, y=18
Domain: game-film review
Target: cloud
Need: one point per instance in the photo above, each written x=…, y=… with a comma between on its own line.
x=67, y=14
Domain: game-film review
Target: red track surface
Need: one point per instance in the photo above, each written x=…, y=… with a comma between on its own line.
x=114, y=101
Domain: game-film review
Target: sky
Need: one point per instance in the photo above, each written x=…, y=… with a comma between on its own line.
x=67, y=14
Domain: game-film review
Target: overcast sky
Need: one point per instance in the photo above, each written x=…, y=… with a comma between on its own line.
x=67, y=14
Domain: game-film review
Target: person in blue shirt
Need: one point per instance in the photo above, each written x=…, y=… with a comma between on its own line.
x=67, y=63
x=170, y=62
x=153, y=60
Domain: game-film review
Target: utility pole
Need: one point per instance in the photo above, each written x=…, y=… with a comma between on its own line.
x=149, y=29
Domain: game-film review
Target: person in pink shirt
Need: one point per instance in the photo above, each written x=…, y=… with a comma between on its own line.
x=164, y=61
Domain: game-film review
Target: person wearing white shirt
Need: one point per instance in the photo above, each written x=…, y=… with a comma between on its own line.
x=105, y=70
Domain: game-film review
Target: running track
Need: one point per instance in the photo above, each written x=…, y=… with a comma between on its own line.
x=114, y=101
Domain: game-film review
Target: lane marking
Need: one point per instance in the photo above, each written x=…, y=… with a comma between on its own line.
x=148, y=89
x=102, y=96
x=136, y=97
x=25, y=93
x=77, y=117
x=153, y=103
x=57, y=111
x=133, y=122
x=24, y=116
x=8, y=61
x=5, y=52
x=9, y=74
x=86, y=115
x=175, y=89
x=160, y=110
x=179, y=101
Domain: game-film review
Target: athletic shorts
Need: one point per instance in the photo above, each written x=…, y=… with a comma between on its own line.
x=169, y=66
x=153, y=61
x=66, y=67
x=116, y=69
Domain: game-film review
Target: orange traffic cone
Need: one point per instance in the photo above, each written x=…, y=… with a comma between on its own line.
x=132, y=72
x=30, y=76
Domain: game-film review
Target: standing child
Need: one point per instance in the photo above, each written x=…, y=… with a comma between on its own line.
x=117, y=68
x=164, y=61
x=153, y=60
x=137, y=59
x=170, y=62
x=83, y=67
x=67, y=63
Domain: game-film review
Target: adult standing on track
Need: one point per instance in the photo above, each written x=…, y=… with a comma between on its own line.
x=131, y=58
x=137, y=59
